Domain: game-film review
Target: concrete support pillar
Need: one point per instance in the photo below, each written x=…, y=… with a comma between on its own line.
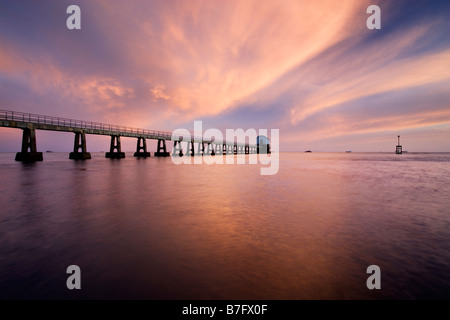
x=115, y=150
x=177, y=149
x=29, y=149
x=141, y=148
x=200, y=149
x=191, y=149
x=210, y=151
x=162, y=150
x=219, y=149
x=79, y=148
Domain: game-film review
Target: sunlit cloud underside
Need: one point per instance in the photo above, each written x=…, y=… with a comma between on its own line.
x=309, y=68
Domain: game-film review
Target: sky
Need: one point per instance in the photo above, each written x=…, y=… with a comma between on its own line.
x=311, y=69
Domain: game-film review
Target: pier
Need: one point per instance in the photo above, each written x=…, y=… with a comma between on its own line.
x=29, y=123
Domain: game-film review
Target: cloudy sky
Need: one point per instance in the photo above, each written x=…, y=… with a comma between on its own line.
x=309, y=68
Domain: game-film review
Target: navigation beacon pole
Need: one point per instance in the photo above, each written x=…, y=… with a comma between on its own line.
x=398, y=149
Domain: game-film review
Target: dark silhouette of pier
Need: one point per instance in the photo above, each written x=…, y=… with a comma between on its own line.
x=29, y=123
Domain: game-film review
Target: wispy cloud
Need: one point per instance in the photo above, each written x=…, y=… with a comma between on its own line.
x=310, y=68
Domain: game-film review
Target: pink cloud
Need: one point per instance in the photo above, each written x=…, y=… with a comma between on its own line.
x=156, y=64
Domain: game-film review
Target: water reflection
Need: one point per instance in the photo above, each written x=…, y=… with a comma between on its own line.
x=149, y=229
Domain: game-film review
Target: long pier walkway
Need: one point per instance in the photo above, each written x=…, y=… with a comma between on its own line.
x=29, y=123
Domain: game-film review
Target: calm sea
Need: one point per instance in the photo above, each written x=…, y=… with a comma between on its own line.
x=149, y=229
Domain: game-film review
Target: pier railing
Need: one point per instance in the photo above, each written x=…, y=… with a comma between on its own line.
x=57, y=121
x=9, y=115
